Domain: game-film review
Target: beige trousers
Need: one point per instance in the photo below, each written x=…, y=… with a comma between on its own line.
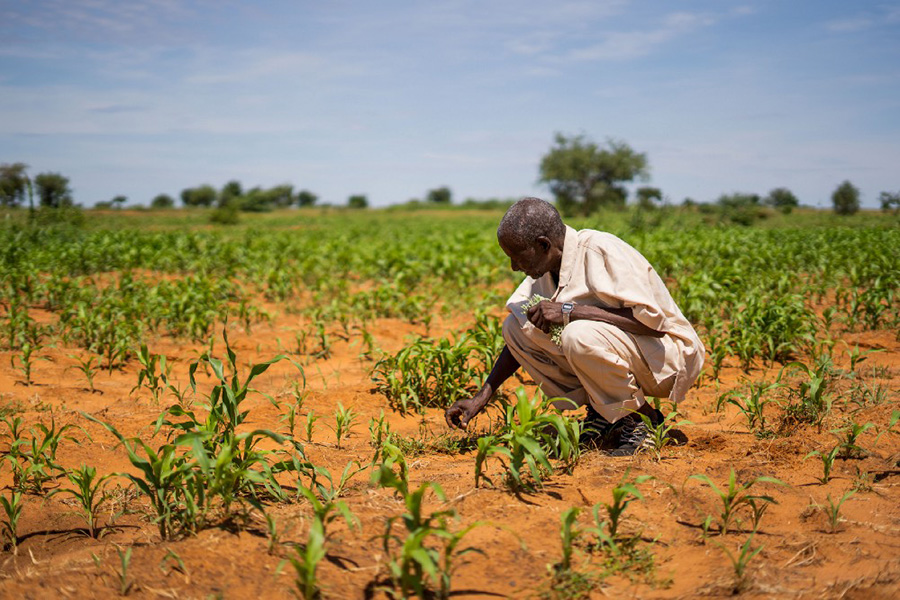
x=597, y=363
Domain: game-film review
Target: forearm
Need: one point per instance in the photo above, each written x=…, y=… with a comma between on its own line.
x=622, y=318
x=504, y=368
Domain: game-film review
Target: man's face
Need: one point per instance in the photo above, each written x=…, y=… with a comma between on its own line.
x=533, y=260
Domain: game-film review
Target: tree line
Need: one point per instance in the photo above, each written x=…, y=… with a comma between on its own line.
x=582, y=175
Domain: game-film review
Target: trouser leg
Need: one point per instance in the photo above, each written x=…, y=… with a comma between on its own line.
x=545, y=362
x=596, y=363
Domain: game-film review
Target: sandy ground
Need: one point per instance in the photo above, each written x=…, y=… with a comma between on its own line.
x=800, y=558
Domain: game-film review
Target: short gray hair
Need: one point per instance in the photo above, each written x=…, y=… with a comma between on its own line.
x=528, y=219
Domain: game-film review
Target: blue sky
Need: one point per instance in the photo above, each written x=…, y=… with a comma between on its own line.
x=394, y=98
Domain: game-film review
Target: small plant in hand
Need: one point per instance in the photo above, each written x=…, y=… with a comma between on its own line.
x=555, y=330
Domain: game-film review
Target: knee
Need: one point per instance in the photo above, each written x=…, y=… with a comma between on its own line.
x=582, y=338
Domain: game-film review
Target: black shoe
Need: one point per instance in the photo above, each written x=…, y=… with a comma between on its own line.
x=634, y=435
x=594, y=428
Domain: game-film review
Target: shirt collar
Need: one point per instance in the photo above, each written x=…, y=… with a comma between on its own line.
x=570, y=252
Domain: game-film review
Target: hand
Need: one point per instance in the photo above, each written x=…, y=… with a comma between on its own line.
x=462, y=411
x=545, y=314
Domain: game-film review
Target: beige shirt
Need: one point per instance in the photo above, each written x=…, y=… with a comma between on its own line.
x=599, y=269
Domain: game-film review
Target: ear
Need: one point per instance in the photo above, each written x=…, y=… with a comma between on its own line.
x=544, y=242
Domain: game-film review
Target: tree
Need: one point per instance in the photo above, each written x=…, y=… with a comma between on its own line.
x=204, y=195
x=742, y=209
x=257, y=200
x=782, y=199
x=358, y=201
x=119, y=201
x=889, y=200
x=282, y=195
x=441, y=195
x=162, y=201
x=13, y=184
x=583, y=177
x=53, y=190
x=845, y=199
x=647, y=195
x=306, y=198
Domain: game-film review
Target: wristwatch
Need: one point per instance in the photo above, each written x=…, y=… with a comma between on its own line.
x=567, y=309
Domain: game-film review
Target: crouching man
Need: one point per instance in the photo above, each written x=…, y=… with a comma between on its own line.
x=607, y=334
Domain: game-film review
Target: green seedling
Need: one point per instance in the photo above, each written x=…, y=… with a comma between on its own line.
x=343, y=422
x=12, y=509
x=606, y=529
x=848, y=438
x=89, y=491
x=88, y=367
x=126, y=583
x=311, y=418
x=827, y=462
x=833, y=510
x=659, y=436
x=741, y=561
x=752, y=404
x=154, y=373
x=736, y=497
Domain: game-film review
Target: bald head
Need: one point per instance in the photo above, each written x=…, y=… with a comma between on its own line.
x=527, y=220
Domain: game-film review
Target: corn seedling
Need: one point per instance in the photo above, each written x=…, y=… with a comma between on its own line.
x=827, y=462
x=848, y=438
x=154, y=373
x=343, y=422
x=740, y=561
x=606, y=529
x=659, y=436
x=736, y=497
x=12, y=509
x=813, y=402
x=89, y=491
x=126, y=583
x=33, y=460
x=529, y=438
x=832, y=510
x=421, y=561
x=752, y=404
x=310, y=424
x=88, y=367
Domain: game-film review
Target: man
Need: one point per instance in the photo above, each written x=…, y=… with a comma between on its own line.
x=622, y=334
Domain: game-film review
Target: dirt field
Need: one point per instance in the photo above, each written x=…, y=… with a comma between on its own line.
x=802, y=555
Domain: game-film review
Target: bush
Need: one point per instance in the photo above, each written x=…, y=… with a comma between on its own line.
x=845, y=199
x=162, y=201
x=782, y=199
x=358, y=201
x=226, y=214
x=742, y=209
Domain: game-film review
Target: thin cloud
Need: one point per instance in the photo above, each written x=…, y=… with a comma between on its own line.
x=624, y=45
